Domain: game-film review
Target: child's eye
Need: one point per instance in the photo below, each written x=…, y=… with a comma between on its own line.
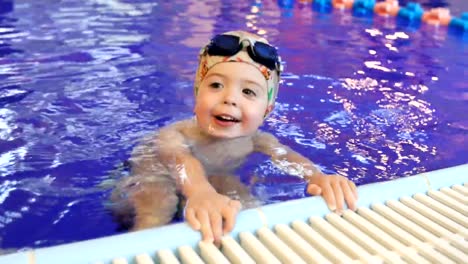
x=249, y=92
x=216, y=85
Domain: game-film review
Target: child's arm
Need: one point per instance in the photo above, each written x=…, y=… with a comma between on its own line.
x=206, y=210
x=335, y=189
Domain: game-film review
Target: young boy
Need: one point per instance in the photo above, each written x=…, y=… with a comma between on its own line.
x=192, y=160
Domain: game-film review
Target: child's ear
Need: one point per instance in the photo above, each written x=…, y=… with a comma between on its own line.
x=195, y=106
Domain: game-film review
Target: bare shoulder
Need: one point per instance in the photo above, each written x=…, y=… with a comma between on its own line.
x=167, y=138
x=269, y=144
x=172, y=131
x=264, y=138
x=175, y=136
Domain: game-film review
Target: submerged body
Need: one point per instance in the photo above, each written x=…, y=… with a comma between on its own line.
x=156, y=179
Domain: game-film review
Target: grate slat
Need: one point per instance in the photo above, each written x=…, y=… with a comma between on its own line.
x=449, y=201
x=456, y=220
x=363, y=239
x=349, y=246
x=119, y=261
x=234, y=252
x=440, y=245
x=167, y=257
x=256, y=249
x=211, y=254
x=461, y=189
x=318, y=241
x=435, y=223
x=455, y=195
x=409, y=254
x=189, y=256
x=402, y=235
x=278, y=247
x=143, y=259
x=299, y=245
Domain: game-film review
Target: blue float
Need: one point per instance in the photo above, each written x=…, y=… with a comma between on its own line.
x=363, y=7
x=460, y=23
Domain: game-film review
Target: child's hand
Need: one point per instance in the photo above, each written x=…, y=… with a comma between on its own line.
x=211, y=213
x=335, y=189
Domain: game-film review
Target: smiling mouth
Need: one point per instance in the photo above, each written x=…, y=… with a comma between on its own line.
x=226, y=118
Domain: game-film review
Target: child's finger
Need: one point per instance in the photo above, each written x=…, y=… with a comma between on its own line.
x=191, y=219
x=205, y=229
x=339, y=199
x=353, y=189
x=216, y=226
x=314, y=189
x=229, y=215
x=329, y=196
x=235, y=204
x=349, y=196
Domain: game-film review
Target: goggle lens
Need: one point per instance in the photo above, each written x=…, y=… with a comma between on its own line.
x=224, y=45
x=265, y=54
x=228, y=45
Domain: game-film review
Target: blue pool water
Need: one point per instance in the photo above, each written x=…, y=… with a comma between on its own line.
x=82, y=80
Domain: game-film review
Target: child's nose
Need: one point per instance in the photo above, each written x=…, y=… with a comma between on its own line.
x=230, y=97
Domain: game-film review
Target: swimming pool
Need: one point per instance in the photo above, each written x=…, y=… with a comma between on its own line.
x=82, y=81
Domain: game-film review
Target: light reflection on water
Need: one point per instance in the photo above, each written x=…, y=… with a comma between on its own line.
x=82, y=81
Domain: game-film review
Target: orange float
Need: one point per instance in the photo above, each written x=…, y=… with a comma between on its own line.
x=343, y=4
x=437, y=16
x=387, y=8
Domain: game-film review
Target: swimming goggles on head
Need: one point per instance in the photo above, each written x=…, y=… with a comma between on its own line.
x=229, y=45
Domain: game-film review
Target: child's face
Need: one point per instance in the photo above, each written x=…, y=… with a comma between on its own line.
x=231, y=100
